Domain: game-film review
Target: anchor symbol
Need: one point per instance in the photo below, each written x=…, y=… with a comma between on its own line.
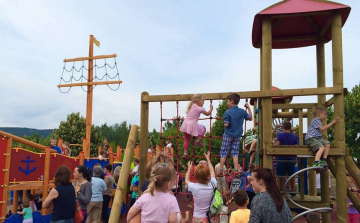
x=27, y=171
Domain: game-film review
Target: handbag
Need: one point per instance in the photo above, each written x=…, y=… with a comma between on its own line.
x=78, y=215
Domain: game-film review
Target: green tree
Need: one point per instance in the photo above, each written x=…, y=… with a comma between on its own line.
x=352, y=121
x=73, y=131
x=116, y=134
x=37, y=138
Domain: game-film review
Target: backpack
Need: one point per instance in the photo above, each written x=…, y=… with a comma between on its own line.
x=215, y=204
x=236, y=184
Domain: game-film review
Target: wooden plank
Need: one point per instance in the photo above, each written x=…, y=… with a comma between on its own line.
x=330, y=102
x=90, y=58
x=294, y=106
x=144, y=134
x=246, y=94
x=294, y=38
x=89, y=83
x=301, y=151
x=312, y=24
x=325, y=28
x=46, y=178
x=288, y=115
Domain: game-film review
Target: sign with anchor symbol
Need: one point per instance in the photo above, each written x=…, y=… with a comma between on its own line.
x=28, y=161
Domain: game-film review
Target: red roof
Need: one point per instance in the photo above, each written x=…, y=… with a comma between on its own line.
x=298, y=21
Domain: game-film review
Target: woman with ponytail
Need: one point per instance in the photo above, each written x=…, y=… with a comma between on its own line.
x=269, y=205
x=190, y=126
x=83, y=189
x=158, y=205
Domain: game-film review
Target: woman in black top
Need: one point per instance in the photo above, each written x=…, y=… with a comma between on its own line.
x=62, y=197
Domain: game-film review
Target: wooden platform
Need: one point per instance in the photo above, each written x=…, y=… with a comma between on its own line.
x=309, y=201
x=29, y=186
x=301, y=150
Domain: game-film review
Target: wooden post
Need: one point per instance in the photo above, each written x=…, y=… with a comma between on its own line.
x=137, y=151
x=301, y=128
x=339, y=129
x=46, y=178
x=158, y=150
x=89, y=100
x=81, y=158
x=144, y=134
x=312, y=173
x=99, y=150
x=84, y=147
x=60, y=142
x=111, y=158
x=302, y=180
x=121, y=189
x=15, y=201
x=324, y=176
x=118, y=153
x=7, y=158
x=266, y=84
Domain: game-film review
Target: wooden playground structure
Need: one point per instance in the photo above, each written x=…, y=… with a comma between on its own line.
x=288, y=24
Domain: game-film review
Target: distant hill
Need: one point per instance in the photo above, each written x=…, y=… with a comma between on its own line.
x=26, y=131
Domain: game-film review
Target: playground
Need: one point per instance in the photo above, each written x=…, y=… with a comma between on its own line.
x=285, y=25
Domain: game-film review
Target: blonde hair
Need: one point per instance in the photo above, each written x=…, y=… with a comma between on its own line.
x=196, y=98
x=161, y=175
x=317, y=110
x=160, y=159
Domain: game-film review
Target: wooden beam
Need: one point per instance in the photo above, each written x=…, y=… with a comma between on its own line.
x=246, y=94
x=300, y=150
x=294, y=106
x=89, y=84
x=330, y=102
x=121, y=189
x=24, y=141
x=46, y=178
x=325, y=28
x=90, y=58
x=312, y=24
x=288, y=115
x=294, y=38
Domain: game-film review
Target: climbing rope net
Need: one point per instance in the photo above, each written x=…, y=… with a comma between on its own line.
x=193, y=155
x=107, y=71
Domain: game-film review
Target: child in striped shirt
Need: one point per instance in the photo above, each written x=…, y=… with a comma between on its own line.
x=313, y=137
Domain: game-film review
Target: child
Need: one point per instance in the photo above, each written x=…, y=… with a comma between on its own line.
x=106, y=147
x=102, y=154
x=54, y=146
x=190, y=126
x=134, y=187
x=65, y=149
x=242, y=214
x=312, y=217
x=32, y=202
x=251, y=146
x=202, y=190
x=135, y=171
x=283, y=168
x=353, y=214
x=26, y=212
x=233, y=122
x=158, y=205
x=313, y=137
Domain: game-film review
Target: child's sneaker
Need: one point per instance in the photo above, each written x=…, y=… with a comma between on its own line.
x=323, y=163
x=198, y=143
x=220, y=174
x=317, y=163
x=236, y=173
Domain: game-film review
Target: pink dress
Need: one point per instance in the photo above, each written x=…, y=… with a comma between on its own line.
x=190, y=124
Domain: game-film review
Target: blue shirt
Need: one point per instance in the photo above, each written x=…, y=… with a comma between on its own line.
x=246, y=174
x=313, y=130
x=58, y=150
x=287, y=139
x=235, y=118
x=98, y=186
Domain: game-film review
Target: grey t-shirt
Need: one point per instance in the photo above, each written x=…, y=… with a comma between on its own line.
x=85, y=194
x=263, y=210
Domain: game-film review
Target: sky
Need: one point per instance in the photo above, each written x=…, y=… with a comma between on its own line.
x=163, y=47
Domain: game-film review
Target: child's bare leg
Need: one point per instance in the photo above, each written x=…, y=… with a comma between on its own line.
x=222, y=162
x=326, y=151
x=236, y=162
x=319, y=153
x=282, y=183
x=186, y=219
x=253, y=154
x=292, y=184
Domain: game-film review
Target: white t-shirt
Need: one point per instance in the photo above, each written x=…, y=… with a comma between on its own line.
x=136, y=169
x=149, y=150
x=202, y=197
x=169, y=145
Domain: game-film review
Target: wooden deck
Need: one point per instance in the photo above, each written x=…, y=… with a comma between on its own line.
x=309, y=201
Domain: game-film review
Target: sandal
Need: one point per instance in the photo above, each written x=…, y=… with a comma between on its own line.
x=198, y=143
x=185, y=156
x=220, y=174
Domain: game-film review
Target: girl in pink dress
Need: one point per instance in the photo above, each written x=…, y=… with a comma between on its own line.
x=190, y=126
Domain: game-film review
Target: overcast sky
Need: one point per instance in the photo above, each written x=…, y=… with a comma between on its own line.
x=163, y=47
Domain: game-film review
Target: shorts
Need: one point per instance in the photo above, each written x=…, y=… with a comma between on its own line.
x=229, y=143
x=199, y=220
x=315, y=143
x=94, y=211
x=283, y=168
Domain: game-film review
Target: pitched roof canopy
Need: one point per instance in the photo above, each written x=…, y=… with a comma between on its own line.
x=276, y=100
x=298, y=23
